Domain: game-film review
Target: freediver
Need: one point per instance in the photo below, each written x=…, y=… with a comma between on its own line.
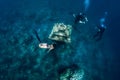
x=44, y=45
x=59, y=36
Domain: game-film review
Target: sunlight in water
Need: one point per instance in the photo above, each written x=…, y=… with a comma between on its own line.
x=86, y=4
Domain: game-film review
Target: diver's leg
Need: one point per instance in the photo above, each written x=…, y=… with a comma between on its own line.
x=97, y=34
x=100, y=36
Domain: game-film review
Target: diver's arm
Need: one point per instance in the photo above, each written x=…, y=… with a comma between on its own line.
x=86, y=19
x=74, y=15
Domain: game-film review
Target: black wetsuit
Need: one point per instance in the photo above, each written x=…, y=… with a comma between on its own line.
x=77, y=18
x=99, y=34
x=80, y=17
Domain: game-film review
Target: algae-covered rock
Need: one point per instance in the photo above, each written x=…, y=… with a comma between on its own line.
x=61, y=32
x=78, y=75
x=72, y=73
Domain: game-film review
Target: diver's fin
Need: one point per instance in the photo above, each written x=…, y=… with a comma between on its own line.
x=36, y=34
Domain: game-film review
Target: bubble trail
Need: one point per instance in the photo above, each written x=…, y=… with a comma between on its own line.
x=86, y=4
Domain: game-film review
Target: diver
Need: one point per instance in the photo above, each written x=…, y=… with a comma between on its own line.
x=80, y=18
x=59, y=36
x=42, y=45
x=47, y=46
x=100, y=30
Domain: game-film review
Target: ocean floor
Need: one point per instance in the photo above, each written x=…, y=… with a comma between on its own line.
x=22, y=59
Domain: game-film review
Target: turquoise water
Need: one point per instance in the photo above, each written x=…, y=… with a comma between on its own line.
x=22, y=59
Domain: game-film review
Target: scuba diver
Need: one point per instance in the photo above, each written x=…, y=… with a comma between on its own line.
x=101, y=28
x=99, y=34
x=80, y=18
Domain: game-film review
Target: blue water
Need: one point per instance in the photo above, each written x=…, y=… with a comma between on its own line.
x=22, y=59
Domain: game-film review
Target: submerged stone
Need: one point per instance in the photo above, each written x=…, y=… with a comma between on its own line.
x=61, y=32
x=72, y=73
